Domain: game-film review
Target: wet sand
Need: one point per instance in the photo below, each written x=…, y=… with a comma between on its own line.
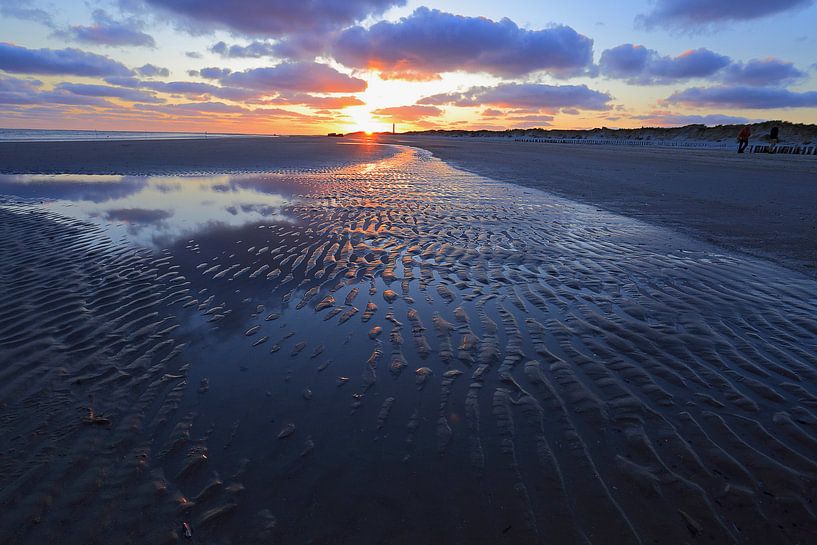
x=761, y=204
x=141, y=157
x=392, y=351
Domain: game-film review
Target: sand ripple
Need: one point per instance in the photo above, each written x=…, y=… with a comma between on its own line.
x=416, y=355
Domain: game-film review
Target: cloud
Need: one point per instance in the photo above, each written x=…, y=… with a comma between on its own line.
x=98, y=191
x=18, y=91
x=214, y=73
x=210, y=109
x=10, y=84
x=639, y=65
x=743, y=97
x=109, y=32
x=316, y=102
x=131, y=95
x=21, y=60
x=700, y=14
x=195, y=108
x=24, y=11
x=408, y=113
x=192, y=54
x=668, y=119
x=298, y=76
x=429, y=42
x=138, y=215
x=253, y=50
x=276, y=17
x=531, y=96
x=26, y=92
x=763, y=72
x=190, y=89
x=151, y=70
x=194, y=89
x=527, y=121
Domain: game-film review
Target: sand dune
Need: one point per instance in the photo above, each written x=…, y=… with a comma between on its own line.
x=406, y=353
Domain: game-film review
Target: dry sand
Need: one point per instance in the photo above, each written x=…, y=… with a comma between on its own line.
x=390, y=352
x=761, y=204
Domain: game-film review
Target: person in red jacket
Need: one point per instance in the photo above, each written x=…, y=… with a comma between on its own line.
x=743, y=138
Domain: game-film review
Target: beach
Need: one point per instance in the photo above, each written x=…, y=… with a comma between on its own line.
x=315, y=340
x=759, y=203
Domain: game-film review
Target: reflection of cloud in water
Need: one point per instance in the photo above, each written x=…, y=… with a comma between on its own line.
x=160, y=208
x=168, y=187
x=138, y=215
x=71, y=187
x=263, y=209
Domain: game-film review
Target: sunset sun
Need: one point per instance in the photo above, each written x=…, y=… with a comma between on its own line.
x=361, y=120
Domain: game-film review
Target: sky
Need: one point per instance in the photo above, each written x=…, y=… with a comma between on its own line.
x=318, y=66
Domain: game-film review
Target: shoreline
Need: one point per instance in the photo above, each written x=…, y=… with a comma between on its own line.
x=757, y=204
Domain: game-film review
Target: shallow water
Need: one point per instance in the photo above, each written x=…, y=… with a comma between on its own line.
x=45, y=135
x=395, y=352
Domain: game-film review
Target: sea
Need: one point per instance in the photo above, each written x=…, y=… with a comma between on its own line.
x=47, y=135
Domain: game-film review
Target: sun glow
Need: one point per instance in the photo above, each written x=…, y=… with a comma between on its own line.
x=360, y=119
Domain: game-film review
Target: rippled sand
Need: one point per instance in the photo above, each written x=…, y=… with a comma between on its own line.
x=395, y=352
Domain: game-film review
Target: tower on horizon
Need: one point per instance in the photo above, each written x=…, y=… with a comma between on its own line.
x=392, y=129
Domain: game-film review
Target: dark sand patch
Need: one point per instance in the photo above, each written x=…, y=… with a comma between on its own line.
x=764, y=205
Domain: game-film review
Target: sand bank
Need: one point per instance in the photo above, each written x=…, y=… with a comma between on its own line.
x=764, y=205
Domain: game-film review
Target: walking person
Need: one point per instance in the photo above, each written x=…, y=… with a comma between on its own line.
x=774, y=135
x=743, y=138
